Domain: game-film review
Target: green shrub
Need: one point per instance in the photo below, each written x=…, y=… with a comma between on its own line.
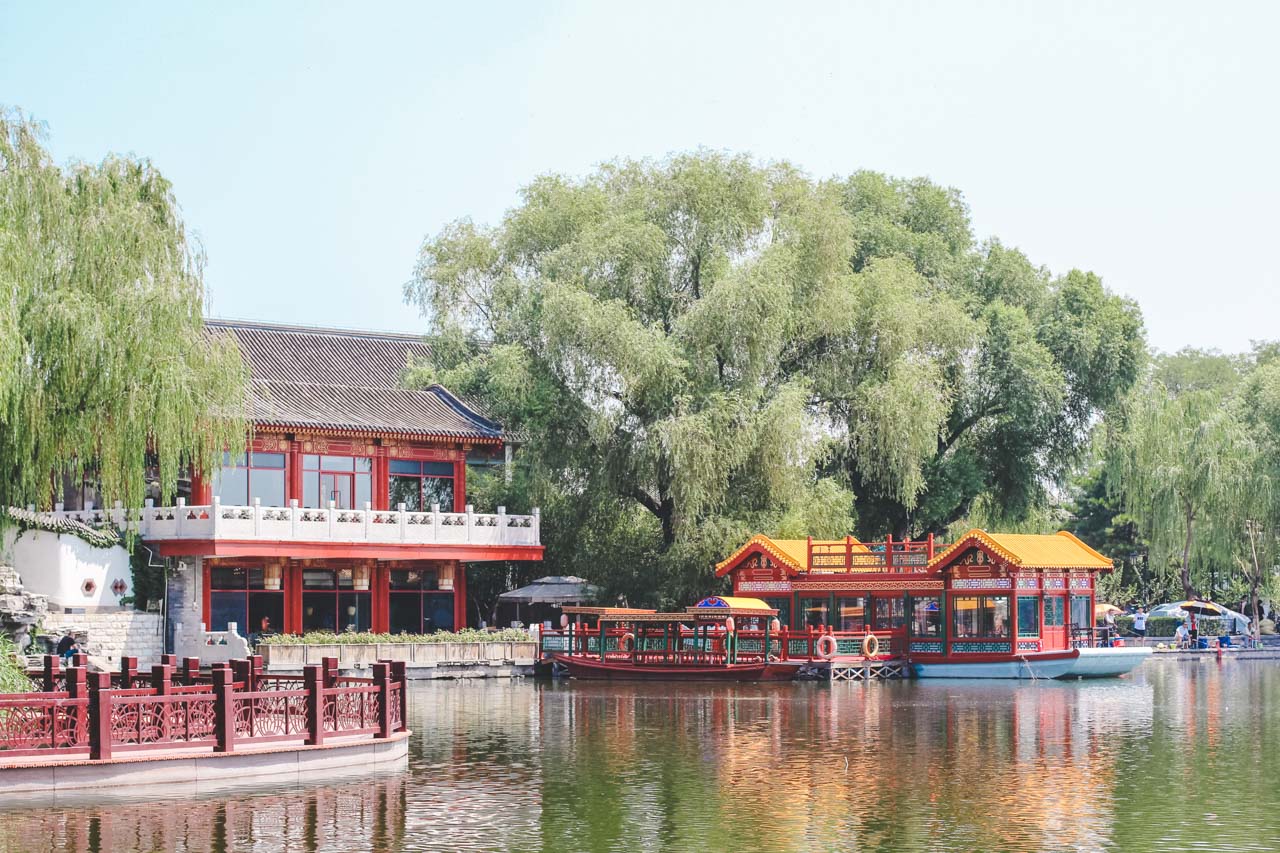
x=13, y=669
x=328, y=638
x=1162, y=626
x=1124, y=624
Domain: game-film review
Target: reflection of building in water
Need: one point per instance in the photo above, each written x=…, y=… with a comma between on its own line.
x=364, y=816
x=1014, y=766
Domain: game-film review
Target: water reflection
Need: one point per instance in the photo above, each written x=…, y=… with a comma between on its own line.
x=1180, y=756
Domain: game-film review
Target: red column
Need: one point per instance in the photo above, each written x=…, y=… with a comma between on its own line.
x=460, y=484
x=459, y=596
x=381, y=479
x=380, y=593
x=201, y=489
x=293, y=482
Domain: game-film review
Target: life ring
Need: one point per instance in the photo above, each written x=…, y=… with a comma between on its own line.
x=826, y=646
x=870, y=646
x=627, y=642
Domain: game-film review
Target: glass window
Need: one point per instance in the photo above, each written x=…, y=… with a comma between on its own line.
x=250, y=476
x=318, y=579
x=815, y=611
x=926, y=616
x=414, y=606
x=347, y=481
x=419, y=485
x=1028, y=616
x=237, y=594
x=890, y=613
x=980, y=616
x=852, y=613
x=783, y=606
x=1081, y=612
x=1054, y=611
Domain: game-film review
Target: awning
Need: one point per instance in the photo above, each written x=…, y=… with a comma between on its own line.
x=552, y=590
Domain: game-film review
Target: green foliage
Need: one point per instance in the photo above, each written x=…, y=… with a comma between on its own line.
x=703, y=347
x=365, y=638
x=13, y=669
x=103, y=359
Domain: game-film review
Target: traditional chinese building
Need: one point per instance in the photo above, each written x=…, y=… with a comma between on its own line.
x=348, y=507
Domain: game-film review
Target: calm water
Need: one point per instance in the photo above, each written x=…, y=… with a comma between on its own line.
x=1179, y=756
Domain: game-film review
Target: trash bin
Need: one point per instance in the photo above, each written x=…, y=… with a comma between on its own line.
x=1202, y=643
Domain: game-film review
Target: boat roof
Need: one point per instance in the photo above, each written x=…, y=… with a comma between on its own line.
x=791, y=554
x=590, y=610
x=1060, y=550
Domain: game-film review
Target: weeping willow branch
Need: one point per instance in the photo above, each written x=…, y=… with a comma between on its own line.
x=104, y=360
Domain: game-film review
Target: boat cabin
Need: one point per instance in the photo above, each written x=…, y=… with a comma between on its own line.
x=987, y=593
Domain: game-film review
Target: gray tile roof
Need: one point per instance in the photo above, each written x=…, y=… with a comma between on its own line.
x=316, y=378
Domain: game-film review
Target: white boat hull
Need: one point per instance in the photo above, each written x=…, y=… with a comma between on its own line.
x=1108, y=663
x=1029, y=667
x=1088, y=663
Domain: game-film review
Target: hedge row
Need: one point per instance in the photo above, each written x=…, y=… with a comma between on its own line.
x=328, y=638
x=1164, y=626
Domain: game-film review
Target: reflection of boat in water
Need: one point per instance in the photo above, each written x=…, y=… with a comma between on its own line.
x=1072, y=663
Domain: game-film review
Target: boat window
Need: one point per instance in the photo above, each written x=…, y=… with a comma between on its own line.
x=890, y=613
x=816, y=611
x=783, y=606
x=926, y=616
x=980, y=616
x=1028, y=616
x=852, y=613
x=1081, y=611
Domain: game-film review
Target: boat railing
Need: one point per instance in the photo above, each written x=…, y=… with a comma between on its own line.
x=650, y=643
x=889, y=555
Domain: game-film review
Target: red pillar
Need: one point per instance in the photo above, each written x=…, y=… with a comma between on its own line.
x=380, y=593
x=201, y=489
x=460, y=484
x=459, y=596
x=381, y=479
x=293, y=480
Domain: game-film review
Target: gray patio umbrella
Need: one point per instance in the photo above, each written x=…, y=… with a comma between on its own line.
x=556, y=589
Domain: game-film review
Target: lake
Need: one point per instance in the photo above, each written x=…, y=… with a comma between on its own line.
x=1179, y=756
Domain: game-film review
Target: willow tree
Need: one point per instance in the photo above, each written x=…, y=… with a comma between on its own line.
x=725, y=347
x=1185, y=466
x=104, y=363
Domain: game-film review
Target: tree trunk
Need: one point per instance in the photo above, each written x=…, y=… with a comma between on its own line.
x=1185, y=572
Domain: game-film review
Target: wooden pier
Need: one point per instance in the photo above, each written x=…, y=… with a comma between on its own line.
x=869, y=669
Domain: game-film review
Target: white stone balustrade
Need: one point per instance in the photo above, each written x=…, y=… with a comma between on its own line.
x=330, y=524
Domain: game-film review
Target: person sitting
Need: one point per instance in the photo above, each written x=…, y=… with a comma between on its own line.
x=1182, y=637
x=68, y=646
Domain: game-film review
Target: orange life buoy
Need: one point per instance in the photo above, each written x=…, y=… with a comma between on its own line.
x=826, y=646
x=627, y=642
x=870, y=646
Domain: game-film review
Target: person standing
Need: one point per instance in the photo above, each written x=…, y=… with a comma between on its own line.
x=1140, y=622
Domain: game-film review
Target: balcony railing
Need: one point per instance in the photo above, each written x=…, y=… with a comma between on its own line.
x=328, y=524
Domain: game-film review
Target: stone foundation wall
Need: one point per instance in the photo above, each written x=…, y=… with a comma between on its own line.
x=113, y=633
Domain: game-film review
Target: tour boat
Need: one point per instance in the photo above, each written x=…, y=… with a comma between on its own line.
x=991, y=605
x=718, y=639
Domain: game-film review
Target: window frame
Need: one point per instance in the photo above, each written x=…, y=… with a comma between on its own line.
x=422, y=476
x=984, y=601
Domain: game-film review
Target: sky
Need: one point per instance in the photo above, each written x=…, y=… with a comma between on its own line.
x=313, y=146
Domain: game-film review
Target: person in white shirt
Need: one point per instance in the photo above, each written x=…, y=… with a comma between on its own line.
x=1140, y=623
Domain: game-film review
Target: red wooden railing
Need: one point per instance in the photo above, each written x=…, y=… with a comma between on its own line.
x=229, y=707
x=794, y=644
x=848, y=555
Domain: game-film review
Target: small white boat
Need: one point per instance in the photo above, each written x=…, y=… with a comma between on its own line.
x=1076, y=663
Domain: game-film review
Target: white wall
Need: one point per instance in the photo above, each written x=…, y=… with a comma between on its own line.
x=113, y=633
x=57, y=565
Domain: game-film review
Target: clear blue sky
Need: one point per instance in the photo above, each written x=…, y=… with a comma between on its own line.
x=313, y=146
